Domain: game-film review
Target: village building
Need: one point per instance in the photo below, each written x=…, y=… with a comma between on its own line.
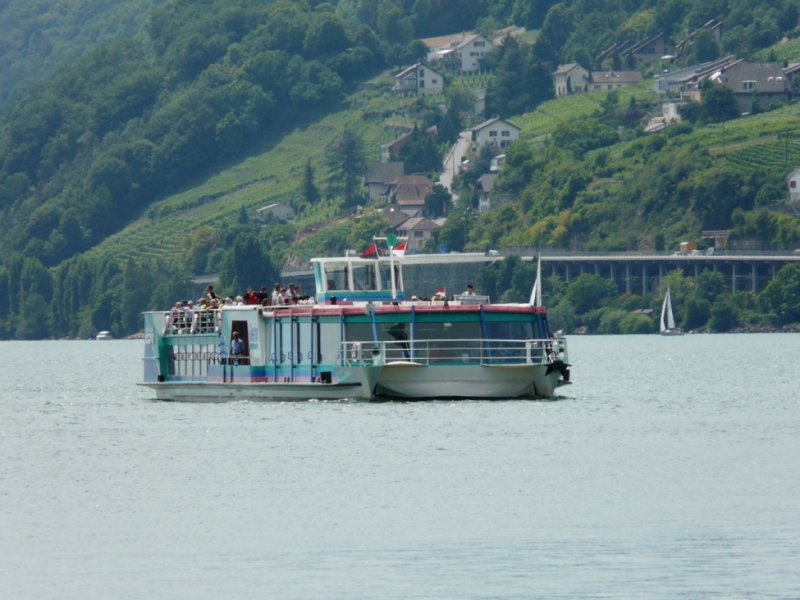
x=281, y=212
x=612, y=80
x=495, y=132
x=408, y=193
x=793, y=184
x=419, y=80
x=570, y=79
x=750, y=81
x=379, y=177
x=484, y=187
x=419, y=231
x=657, y=46
x=462, y=52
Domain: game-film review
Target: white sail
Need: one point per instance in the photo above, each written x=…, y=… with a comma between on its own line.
x=536, y=292
x=667, y=318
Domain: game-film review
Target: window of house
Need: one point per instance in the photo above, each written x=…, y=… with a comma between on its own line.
x=480, y=44
x=792, y=184
x=506, y=133
x=422, y=72
x=492, y=134
x=748, y=85
x=418, y=234
x=422, y=83
x=434, y=81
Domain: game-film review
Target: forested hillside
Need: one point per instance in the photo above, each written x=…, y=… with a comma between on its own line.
x=39, y=36
x=127, y=171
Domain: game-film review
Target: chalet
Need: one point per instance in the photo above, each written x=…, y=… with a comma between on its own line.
x=495, y=132
x=394, y=216
x=748, y=81
x=793, y=183
x=463, y=52
x=612, y=80
x=408, y=192
x=418, y=230
x=570, y=79
x=714, y=26
x=418, y=80
x=654, y=47
x=685, y=83
x=484, y=187
x=281, y=212
x=379, y=177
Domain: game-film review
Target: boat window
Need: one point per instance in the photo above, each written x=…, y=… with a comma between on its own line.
x=448, y=331
x=336, y=276
x=385, y=275
x=519, y=330
x=328, y=343
x=364, y=276
x=358, y=332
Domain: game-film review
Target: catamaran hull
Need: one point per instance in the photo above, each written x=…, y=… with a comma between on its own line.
x=418, y=381
x=360, y=386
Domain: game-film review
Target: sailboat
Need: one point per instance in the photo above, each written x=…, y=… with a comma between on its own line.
x=667, y=324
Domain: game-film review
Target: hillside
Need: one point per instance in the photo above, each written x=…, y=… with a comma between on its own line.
x=37, y=36
x=141, y=164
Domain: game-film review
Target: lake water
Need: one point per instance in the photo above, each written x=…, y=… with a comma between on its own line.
x=670, y=469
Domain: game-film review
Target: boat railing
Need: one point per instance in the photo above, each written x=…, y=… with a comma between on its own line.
x=186, y=322
x=453, y=351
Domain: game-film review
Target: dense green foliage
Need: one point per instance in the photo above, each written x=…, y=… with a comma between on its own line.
x=592, y=304
x=39, y=36
x=98, y=164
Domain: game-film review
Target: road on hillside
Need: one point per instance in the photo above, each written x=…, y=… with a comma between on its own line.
x=452, y=163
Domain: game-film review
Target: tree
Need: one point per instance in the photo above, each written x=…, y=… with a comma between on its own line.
x=718, y=104
x=346, y=160
x=781, y=294
x=308, y=189
x=438, y=201
x=420, y=153
x=589, y=291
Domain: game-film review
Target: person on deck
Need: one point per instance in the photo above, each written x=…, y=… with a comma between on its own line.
x=470, y=291
x=251, y=297
x=237, y=347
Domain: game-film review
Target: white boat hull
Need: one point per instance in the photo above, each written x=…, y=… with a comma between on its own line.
x=357, y=385
x=415, y=380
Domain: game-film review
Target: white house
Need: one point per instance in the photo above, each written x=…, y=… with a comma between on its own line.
x=463, y=52
x=793, y=183
x=282, y=212
x=601, y=81
x=570, y=79
x=418, y=230
x=419, y=80
x=495, y=132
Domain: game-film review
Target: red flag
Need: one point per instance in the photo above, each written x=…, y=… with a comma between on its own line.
x=371, y=251
x=400, y=249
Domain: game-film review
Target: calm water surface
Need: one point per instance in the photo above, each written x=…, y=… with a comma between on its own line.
x=670, y=469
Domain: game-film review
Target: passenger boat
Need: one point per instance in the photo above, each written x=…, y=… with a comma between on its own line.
x=104, y=335
x=358, y=338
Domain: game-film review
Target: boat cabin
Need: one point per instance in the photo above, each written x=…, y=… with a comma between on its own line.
x=356, y=279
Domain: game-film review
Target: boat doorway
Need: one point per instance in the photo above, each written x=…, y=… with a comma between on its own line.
x=240, y=327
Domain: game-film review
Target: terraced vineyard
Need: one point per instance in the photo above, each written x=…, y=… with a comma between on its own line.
x=549, y=115
x=163, y=232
